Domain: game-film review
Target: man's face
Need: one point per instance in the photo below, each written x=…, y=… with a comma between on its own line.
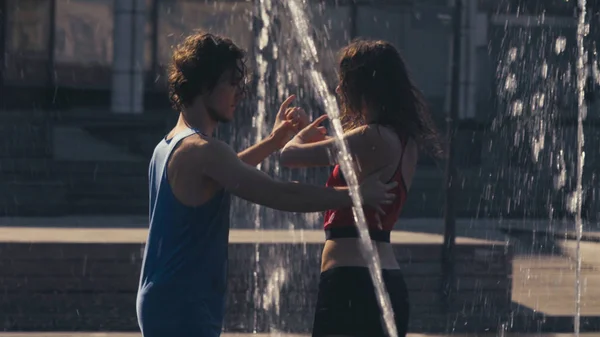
x=222, y=101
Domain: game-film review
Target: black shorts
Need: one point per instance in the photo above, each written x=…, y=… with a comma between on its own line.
x=347, y=304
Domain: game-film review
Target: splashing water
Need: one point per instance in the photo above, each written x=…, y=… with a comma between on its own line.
x=259, y=123
x=310, y=57
x=272, y=295
x=582, y=29
x=274, y=75
x=535, y=103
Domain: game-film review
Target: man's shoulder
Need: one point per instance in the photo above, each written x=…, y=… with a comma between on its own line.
x=197, y=148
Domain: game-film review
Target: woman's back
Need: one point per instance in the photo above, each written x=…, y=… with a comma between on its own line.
x=380, y=149
x=388, y=151
x=384, y=117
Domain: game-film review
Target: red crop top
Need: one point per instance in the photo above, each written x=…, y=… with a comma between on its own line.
x=340, y=223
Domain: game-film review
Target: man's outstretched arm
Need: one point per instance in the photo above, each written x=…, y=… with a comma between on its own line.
x=217, y=161
x=255, y=186
x=258, y=152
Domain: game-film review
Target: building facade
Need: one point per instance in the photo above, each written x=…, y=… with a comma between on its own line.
x=73, y=53
x=89, y=75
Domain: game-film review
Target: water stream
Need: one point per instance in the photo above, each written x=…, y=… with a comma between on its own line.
x=582, y=30
x=262, y=11
x=534, y=100
x=542, y=76
x=310, y=57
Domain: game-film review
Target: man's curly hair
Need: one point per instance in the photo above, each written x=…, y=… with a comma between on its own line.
x=198, y=63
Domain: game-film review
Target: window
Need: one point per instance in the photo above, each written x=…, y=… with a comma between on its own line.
x=83, y=47
x=332, y=26
x=149, y=42
x=531, y=7
x=84, y=43
x=27, y=41
x=180, y=18
x=427, y=62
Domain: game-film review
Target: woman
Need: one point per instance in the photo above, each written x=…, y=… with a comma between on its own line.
x=385, y=122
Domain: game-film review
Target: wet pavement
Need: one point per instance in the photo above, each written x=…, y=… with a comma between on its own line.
x=122, y=334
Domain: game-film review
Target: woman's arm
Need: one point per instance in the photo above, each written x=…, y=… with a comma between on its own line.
x=298, y=153
x=301, y=152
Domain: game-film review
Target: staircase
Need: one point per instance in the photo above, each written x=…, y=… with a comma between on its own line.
x=34, y=183
x=38, y=180
x=104, y=188
x=25, y=152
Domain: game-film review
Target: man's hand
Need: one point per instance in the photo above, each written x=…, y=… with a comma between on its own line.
x=288, y=122
x=313, y=132
x=375, y=193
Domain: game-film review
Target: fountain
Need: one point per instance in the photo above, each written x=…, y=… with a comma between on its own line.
x=271, y=87
x=273, y=78
x=542, y=81
x=582, y=76
x=310, y=56
x=263, y=11
x=532, y=108
x=273, y=274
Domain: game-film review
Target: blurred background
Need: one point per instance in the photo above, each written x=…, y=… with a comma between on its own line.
x=83, y=85
x=83, y=91
x=83, y=102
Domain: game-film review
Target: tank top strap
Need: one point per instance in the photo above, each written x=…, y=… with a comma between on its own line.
x=398, y=174
x=164, y=155
x=404, y=141
x=181, y=135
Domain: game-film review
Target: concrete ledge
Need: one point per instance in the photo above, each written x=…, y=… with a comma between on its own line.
x=565, y=235
x=135, y=334
x=138, y=235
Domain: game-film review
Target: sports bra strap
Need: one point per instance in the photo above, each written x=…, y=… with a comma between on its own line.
x=404, y=142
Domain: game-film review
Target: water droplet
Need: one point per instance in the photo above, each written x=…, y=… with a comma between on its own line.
x=516, y=108
x=510, y=83
x=512, y=54
x=560, y=45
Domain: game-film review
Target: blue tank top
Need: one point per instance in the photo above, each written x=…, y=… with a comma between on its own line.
x=185, y=258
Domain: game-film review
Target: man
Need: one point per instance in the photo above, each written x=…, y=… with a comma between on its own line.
x=191, y=175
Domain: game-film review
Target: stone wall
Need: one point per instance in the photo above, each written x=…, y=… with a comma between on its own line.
x=92, y=287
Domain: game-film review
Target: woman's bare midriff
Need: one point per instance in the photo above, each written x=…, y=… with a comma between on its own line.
x=346, y=252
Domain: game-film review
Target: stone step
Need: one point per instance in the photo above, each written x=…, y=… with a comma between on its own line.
x=31, y=168
x=107, y=187
x=25, y=116
x=113, y=206
x=41, y=187
x=25, y=140
x=84, y=167
x=25, y=134
x=44, y=197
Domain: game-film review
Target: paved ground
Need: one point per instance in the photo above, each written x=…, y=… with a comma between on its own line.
x=490, y=229
x=138, y=235
x=118, y=334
